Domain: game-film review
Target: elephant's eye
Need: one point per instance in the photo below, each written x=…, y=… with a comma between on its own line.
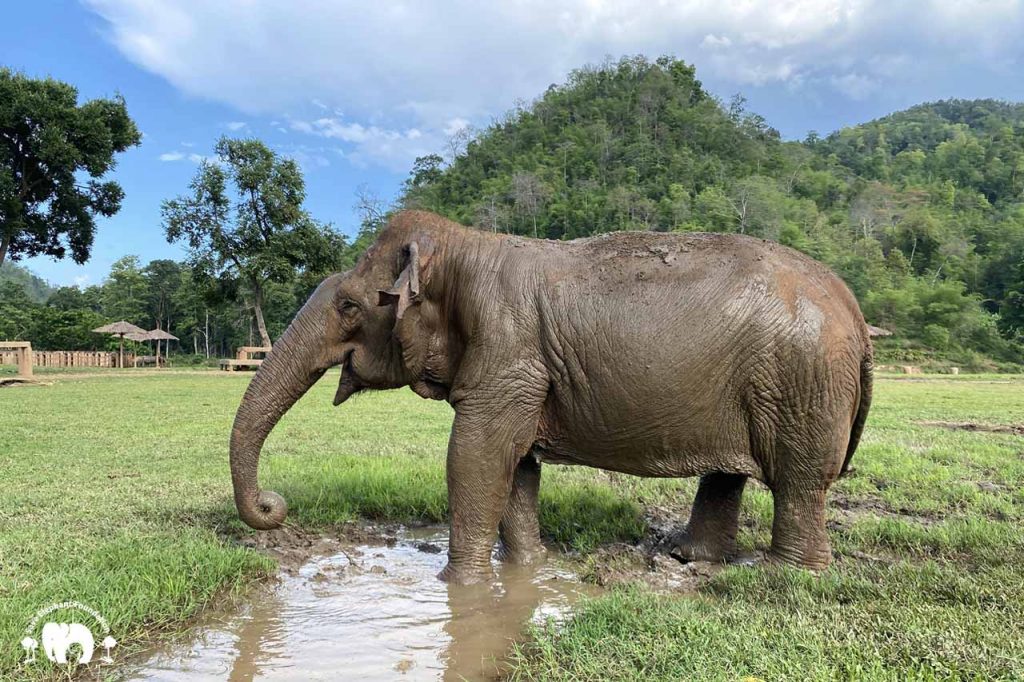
x=349, y=308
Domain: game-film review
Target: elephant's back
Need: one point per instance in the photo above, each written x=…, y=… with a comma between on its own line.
x=699, y=304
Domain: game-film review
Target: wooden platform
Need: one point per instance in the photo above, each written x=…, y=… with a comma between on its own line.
x=23, y=349
x=234, y=363
x=244, y=358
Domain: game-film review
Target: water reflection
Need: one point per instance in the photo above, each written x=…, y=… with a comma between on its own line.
x=387, y=618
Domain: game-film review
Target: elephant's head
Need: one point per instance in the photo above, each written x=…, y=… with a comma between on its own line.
x=379, y=321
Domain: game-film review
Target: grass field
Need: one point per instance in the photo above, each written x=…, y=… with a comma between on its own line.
x=115, y=492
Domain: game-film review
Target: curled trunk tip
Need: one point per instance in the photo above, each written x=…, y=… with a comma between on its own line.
x=267, y=512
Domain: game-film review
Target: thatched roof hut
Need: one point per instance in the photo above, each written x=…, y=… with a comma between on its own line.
x=121, y=329
x=153, y=335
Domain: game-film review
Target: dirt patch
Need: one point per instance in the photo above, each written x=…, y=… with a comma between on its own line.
x=846, y=511
x=1014, y=429
x=650, y=563
x=293, y=546
x=10, y=382
x=623, y=564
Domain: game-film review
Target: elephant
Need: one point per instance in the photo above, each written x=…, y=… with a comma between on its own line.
x=59, y=637
x=722, y=356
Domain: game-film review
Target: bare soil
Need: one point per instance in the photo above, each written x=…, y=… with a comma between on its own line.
x=1015, y=429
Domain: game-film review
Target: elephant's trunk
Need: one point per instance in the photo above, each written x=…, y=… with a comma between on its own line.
x=294, y=365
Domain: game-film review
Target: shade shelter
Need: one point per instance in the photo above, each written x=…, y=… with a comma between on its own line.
x=140, y=337
x=159, y=335
x=120, y=329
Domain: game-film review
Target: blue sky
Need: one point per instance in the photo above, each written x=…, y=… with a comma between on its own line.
x=355, y=90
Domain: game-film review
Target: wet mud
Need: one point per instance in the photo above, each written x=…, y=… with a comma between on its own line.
x=368, y=611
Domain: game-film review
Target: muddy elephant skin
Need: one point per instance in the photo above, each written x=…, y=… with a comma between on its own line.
x=711, y=355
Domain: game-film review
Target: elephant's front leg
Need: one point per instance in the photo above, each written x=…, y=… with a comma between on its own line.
x=485, y=447
x=520, y=529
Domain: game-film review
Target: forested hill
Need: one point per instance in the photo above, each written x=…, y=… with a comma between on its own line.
x=921, y=212
x=35, y=288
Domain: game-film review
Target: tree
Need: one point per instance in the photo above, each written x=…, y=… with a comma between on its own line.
x=529, y=194
x=47, y=144
x=17, y=311
x=163, y=278
x=125, y=291
x=245, y=226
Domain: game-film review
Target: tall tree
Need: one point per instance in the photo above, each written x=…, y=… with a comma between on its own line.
x=125, y=291
x=47, y=143
x=245, y=226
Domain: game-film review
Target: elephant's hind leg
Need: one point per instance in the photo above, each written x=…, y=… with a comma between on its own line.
x=799, y=536
x=519, y=529
x=710, y=534
x=807, y=469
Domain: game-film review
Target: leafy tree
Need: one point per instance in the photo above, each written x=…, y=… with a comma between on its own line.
x=48, y=143
x=245, y=226
x=17, y=312
x=164, y=278
x=125, y=291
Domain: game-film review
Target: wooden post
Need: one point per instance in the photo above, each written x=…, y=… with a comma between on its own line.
x=25, y=361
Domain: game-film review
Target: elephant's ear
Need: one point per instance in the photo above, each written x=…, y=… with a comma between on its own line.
x=406, y=288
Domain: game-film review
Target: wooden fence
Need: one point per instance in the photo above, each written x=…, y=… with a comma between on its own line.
x=69, y=358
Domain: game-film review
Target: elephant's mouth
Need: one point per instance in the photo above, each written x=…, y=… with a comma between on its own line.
x=429, y=386
x=349, y=383
x=425, y=388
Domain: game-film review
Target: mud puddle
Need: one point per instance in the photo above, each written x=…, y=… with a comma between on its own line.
x=372, y=612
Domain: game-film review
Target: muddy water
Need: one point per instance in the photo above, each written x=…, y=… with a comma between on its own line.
x=372, y=613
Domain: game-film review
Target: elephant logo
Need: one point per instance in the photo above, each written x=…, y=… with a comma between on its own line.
x=59, y=637
x=67, y=639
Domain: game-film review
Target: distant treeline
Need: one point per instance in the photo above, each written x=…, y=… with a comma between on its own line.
x=921, y=212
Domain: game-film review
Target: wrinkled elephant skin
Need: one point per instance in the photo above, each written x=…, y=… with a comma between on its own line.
x=711, y=355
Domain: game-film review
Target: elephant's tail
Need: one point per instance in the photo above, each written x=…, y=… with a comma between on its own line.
x=866, y=368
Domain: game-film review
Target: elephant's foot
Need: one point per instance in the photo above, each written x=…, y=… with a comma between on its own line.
x=688, y=546
x=710, y=535
x=814, y=556
x=523, y=555
x=463, y=575
x=799, y=537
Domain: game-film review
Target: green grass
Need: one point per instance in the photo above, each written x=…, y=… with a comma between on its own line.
x=116, y=493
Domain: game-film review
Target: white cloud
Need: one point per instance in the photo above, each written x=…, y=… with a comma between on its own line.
x=711, y=41
x=395, y=67
x=854, y=85
x=183, y=156
x=392, y=148
x=235, y=125
x=308, y=157
x=456, y=125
